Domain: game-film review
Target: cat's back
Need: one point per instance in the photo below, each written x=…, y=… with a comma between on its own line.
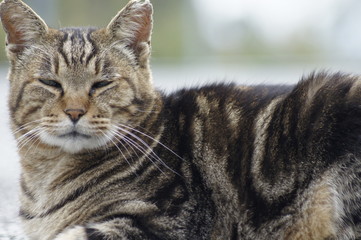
x=213, y=129
x=264, y=152
x=224, y=96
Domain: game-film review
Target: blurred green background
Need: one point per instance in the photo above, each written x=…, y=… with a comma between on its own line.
x=168, y=41
x=223, y=38
x=182, y=31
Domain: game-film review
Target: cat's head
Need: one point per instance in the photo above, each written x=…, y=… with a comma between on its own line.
x=72, y=88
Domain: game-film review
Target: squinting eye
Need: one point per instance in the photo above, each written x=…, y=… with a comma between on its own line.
x=51, y=83
x=98, y=85
x=101, y=84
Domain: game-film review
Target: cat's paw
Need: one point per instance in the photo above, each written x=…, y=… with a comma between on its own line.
x=76, y=233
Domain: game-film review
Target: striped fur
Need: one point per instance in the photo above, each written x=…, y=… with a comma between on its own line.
x=106, y=156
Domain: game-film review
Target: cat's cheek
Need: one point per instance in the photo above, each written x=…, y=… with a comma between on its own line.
x=77, y=233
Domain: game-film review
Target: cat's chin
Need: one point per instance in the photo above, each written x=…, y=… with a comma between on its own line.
x=74, y=143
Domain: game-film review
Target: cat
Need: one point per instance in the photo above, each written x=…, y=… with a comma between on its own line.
x=104, y=155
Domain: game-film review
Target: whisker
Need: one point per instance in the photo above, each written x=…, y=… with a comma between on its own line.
x=146, y=135
x=22, y=127
x=146, y=145
x=131, y=143
x=25, y=137
x=117, y=134
x=27, y=134
x=32, y=144
x=25, y=142
x=34, y=135
x=149, y=154
x=110, y=139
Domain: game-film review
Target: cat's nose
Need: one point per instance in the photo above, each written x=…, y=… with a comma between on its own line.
x=74, y=114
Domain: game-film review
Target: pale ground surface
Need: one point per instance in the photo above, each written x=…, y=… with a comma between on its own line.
x=168, y=78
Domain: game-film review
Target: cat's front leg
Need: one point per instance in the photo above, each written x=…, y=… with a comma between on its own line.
x=83, y=233
x=115, y=229
x=75, y=233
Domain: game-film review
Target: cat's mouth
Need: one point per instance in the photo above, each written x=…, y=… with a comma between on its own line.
x=74, y=134
x=73, y=140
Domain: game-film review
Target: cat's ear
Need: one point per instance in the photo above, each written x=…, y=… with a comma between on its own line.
x=133, y=26
x=21, y=24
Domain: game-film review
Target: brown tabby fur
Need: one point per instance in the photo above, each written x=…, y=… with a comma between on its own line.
x=106, y=156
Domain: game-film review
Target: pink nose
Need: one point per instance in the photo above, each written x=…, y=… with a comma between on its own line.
x=74, y=114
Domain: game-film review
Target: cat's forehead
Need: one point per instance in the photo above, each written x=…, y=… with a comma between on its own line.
x=82, y=45
x=76, y=45
x=77, y=34
x=80, y=52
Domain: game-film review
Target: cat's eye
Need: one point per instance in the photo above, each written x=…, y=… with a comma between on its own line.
x=101, y=84
x=98, y=85
x=51, y=83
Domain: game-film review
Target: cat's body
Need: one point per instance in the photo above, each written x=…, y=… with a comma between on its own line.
x=105, y=156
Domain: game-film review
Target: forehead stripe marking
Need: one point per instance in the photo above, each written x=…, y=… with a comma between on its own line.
x=77, y=41
x=61, y=48
x=94, y=50
x=56, y=65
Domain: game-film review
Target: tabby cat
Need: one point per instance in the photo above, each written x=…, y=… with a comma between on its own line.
x=106, y=156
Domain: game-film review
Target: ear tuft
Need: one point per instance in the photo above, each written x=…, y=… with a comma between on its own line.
x=21, y=24
x=133, y=26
